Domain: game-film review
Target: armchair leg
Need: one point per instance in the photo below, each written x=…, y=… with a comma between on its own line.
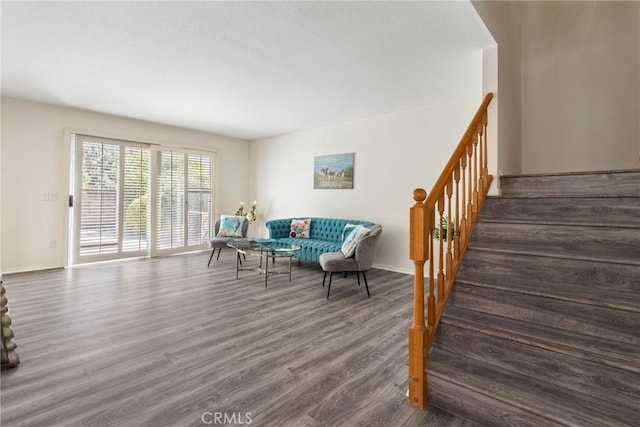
x=324, y=278
x=211, y=257
x=358, y=276
x=238, y=263
x=218, y=257
x=329, y=287
x=364, y=274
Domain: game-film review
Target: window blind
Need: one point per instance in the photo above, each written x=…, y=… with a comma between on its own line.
x=184, y=199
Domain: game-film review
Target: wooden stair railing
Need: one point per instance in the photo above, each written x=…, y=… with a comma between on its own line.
x=456, y=198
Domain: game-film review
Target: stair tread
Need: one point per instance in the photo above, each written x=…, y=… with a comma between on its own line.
x=585, y=376
x=604, y=284
x=561, y=405
x=619, y=354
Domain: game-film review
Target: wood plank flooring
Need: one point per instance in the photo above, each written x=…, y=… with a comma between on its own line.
x=164, y=341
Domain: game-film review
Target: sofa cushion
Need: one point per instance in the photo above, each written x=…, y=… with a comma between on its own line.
x=358, y=232
x=300, y=228
x=311, y=249
x=231, y=226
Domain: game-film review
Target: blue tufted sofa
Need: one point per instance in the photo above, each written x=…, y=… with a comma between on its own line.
x=325, y=235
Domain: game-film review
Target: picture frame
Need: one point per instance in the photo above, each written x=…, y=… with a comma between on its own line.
x=333, y=171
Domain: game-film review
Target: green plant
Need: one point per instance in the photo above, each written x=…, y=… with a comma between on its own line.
x=240, y=210
x=445, y=226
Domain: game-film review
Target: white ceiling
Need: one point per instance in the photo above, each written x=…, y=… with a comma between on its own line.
x=242, y=69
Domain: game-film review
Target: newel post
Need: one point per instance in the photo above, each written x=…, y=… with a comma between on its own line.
x=419, y=253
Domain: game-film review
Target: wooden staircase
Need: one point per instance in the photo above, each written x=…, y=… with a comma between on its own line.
x=542, y=327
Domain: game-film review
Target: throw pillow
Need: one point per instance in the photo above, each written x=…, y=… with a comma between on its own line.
x=353, y=238
x=231, y=226
x=300, y=228
x=346, y=230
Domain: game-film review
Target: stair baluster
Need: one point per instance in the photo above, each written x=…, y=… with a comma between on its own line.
x=469, y=165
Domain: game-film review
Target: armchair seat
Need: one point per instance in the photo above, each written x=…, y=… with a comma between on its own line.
x=220, y=243
x=361, y=262
x=217, y=243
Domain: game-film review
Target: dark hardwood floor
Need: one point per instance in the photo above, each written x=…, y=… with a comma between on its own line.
x=167, y=341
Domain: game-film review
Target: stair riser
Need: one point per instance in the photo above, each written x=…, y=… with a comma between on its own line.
x=570, y=241
x=480, y=408
x=605, y=284
x=623, y=212
x=600, y=381
x=619, y=184
x=579, y=318
x=527, y=395
x=617, y=354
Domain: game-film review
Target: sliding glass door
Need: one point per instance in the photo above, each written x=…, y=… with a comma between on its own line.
x=125, y=205
x=184, y=200
x=110, y=200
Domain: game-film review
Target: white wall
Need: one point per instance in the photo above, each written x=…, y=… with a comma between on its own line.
x=490, y=84
x=568, y=84
x=503, y=22
x=34, y=162
x=580, y=86
x=394, y=154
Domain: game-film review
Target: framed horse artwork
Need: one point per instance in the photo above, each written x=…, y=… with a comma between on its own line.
x=333, y=171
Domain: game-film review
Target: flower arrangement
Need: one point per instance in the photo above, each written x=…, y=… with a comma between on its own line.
x=251, y=215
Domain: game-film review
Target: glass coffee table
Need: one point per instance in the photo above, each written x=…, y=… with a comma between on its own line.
x=264, y=249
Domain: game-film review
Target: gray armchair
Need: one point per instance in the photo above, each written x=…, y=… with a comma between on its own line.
x=220, y=243
x=361, y=262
